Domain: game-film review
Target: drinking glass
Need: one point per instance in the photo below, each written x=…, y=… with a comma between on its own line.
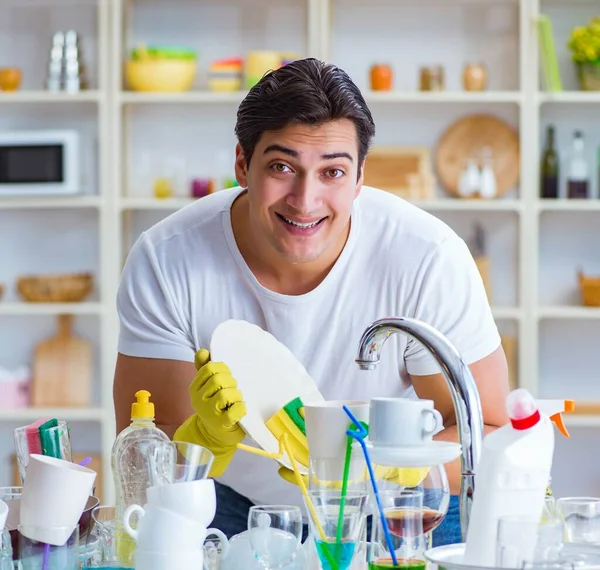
x=115, y=548
x=525, y=540
x=34, y=555
x=275, y=532
x=6, y=551
x=432, y=482
x=581, y=516
x=178, y=462
x=340, y=525
x=403, y=513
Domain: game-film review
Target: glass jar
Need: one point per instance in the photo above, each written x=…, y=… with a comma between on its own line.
x=431, y=78
x=589, y=75
x=474, y=77
x=381, y=77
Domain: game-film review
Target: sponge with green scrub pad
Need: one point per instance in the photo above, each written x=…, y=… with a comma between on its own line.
x=50, y=439
x=290, y=420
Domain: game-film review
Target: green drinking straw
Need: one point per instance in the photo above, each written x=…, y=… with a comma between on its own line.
x=359, y=432
x=340, y=524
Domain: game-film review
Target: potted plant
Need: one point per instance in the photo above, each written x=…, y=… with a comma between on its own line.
x=584, y=44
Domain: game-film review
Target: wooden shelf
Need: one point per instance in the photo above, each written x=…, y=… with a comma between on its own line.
x=458, y=204
x=18, y=308
x=569, y=313
x=167, y=204
x=67, y=414
x=49, y=97
x=209, y=97
x=443, y=96
x=564, y=205
x=591, y=97
x=44, y=202
x=187, y=97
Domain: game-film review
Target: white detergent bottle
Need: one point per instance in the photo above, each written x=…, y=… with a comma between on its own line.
x=512, y=475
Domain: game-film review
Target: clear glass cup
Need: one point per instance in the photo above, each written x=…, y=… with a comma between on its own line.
x=56, y=442
x=337, y=533
x=328, y=473
x=34, y=555
x=403, y=512
x=177, y=462
x=275, y=532
x=527, y=540
x=6, y=551
x=115, y=548
x=581, y=516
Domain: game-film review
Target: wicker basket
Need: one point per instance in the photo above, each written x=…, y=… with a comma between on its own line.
x=55, y=288
x=590, y=290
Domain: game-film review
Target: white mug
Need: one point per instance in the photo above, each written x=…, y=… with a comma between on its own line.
x=55, y=493
x=403, y=422
x=327, y=424
x=160, y=530
x=196, y=500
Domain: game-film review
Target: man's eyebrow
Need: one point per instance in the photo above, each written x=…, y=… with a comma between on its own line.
x=333, y=155
x=294, y=153
x=283, y=149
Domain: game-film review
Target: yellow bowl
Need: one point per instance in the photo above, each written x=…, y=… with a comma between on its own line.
x=160, y=74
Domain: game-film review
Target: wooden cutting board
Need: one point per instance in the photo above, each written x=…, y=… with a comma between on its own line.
x=62, y=369
x=466, y=138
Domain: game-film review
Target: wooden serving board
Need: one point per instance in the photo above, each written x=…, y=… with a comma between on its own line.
x=62, y=369
x=404, y=171
x=466, y=138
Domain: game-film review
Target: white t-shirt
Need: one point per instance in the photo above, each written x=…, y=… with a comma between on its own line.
x=186, y=275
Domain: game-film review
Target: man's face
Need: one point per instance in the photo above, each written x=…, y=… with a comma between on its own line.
x=302, y=181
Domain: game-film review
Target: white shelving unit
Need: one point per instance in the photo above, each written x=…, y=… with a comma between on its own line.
x=133, y=129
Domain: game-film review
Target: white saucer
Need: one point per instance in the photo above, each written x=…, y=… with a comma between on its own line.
x=268, y=375
x=429, y=455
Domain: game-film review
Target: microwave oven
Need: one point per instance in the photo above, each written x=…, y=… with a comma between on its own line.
x=39, y=163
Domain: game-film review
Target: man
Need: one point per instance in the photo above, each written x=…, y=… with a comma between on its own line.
x=304, y=251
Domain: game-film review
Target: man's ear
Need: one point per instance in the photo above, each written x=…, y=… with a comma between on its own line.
x=241, y=167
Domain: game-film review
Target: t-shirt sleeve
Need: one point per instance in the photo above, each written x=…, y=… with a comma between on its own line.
x=151, y=325
x=453, y=300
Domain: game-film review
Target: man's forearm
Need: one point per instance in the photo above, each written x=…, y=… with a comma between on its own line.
x=453, y=469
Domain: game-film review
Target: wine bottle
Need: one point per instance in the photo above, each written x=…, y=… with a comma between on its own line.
x=549, y=167
x=578, y=174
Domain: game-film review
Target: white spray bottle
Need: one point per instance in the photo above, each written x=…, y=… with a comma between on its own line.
x=512, y=475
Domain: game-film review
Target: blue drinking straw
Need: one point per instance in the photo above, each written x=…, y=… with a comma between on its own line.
x=359, y=433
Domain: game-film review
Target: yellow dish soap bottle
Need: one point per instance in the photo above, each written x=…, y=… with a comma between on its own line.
x=130, y=461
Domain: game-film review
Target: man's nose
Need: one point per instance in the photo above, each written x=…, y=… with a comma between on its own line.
x=305, y=196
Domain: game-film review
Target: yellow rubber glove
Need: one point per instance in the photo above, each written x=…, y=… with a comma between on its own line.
x=402, y=476
x=219, y=406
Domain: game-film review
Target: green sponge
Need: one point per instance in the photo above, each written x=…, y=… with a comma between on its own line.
x=295, y=411
x=50, y=439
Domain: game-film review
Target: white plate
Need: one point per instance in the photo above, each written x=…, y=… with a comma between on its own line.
x=429, y=455
x=268, y=375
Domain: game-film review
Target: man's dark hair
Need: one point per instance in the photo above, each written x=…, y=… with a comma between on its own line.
x=306, y=91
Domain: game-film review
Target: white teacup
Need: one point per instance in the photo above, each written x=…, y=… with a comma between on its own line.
x=55, y=493
x=196, y=500
x=403, y=422
x=160, y=529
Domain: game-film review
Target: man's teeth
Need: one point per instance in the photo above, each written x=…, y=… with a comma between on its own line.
x=299, y=225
